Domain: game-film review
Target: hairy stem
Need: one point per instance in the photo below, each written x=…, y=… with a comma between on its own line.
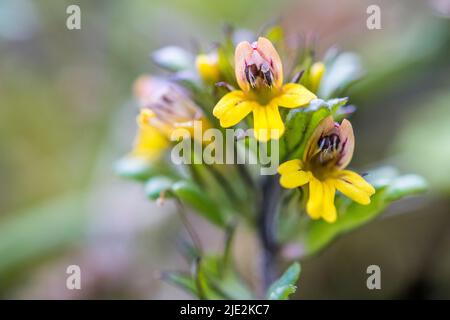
x=189, y=228
x=267, y=229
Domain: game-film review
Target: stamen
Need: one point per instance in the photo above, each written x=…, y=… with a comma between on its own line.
x=328, y=147
x=322, y=142
x=263, y=72
x=298, y=76
x=250, y=74
x=335, y=141
x=226, y=85
x=267, y=74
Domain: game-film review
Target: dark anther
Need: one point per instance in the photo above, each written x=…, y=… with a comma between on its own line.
x=267, y=74
x=166, y=99
x=323, y=143
x=335, y=141
x=251, y=72
x=330, y=142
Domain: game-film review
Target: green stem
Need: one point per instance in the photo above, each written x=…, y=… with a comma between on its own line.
x=229, y=235
x=269, y=205
x=190, y=230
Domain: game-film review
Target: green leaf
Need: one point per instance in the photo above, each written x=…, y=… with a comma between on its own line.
x=135, y=168
x=320, y=233
x=181, y=280
x=155, y=186
x=173, y=59
x=285, y=285
x=141, y=169
x=335, y=104
x=211, y=280
x=189, y=194
x=196, y=198
x=222, y=281
x=188, y=250
x=316, y=117
x=389, y=187
x=406, y=185
x=300, y=124
x=296, y=123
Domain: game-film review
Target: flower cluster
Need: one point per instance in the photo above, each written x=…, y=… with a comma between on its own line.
x=166, y=106
x=302, y=124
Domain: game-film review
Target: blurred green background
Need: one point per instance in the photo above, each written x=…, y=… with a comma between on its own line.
x=66, y=115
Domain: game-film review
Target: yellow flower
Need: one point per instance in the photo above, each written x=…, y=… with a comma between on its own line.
x=207, y=67
x=327, y=154
x=149, y=141
x=259, y=73
x=165, y=107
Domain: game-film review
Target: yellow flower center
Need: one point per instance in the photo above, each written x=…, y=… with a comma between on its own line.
x=263, y=94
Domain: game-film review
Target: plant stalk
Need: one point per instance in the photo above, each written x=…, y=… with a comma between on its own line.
x=269, y=205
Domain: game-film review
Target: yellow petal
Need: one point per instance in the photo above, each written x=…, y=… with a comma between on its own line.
x=232, y=108
x=290, y=166
x=228, y=101
x=352, y=191
x=293, y=95
x=315, y=75
x=267, y=122
x=321, y=200
x=329, y=210
x=144, y=117
x=357, y=181
x=149, y=142
x=236, y=113
x=315, y=201
x=275, y=122
x=260, y=123
x=207, y=67
x=295, y=179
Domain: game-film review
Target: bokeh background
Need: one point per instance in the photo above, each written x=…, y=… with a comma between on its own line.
x=66, y=115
